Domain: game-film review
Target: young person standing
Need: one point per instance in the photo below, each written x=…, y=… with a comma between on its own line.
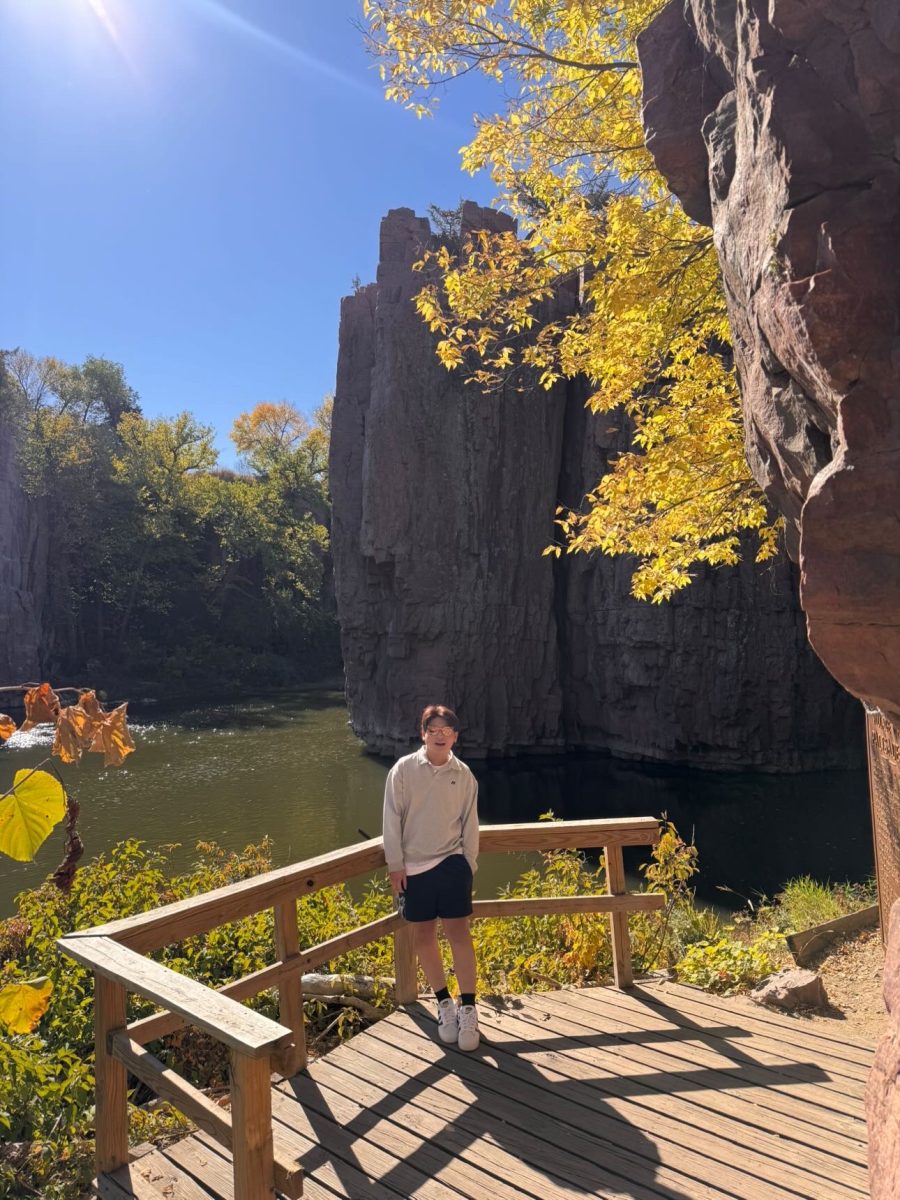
x=431, y=847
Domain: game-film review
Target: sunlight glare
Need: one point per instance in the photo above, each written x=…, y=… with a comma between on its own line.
x=222, y=15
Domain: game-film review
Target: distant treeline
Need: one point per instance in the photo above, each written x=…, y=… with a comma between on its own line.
x=161, y=569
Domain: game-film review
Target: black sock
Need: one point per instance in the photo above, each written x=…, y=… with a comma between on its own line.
x=467, y=998
x=442, y=994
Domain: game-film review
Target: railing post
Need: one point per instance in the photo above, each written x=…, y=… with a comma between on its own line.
x=620, y=938
x=251, y=1122
x=290, y=991
x=110, y=1076
x=406, y=967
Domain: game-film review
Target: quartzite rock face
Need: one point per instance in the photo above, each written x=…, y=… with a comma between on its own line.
x=443, y=500
x=23, y=570
x=778, y=123
x=883, y=1087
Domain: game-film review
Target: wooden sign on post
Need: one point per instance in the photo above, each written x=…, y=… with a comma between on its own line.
x=883, y=744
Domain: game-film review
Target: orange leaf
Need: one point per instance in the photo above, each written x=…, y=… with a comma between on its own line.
x=41, y=707
x=7, y=727
x=112, y=738
x=91, y=705
x=75, y=732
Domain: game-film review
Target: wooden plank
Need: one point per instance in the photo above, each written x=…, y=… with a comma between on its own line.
x=169, y=1085
x=635, y=1068
x=184, y=918
x=174, y=922
x=534, y=906
x=110, y=1078
x=378, y=1161
x=805, y=1081
x=411, y=1137
x=665, y=1092
x=823, y=1038
x=290, y=1059
x=406, y=966
x=806, y=944
x=205, y=1113
x=154, y=1176
x=569, y=835
x=228, y=1022
x=149, y=1029
x=323, y=1178
x=632, y=1152
x=252, y=1146
x=777, y=1053
x=786, y=1098
x=454, y=1107
x=207, y=1166
x=618, y=920
x=676, y=1145
x=485, y=1155
x=315, y=956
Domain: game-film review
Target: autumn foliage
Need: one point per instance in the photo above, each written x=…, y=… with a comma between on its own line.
x=649, y=329
x=82, y=727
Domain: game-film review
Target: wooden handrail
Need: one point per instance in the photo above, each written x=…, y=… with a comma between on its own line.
x=240, y=1028
x=115, y=953
x=205, y=1114
x=198, y=914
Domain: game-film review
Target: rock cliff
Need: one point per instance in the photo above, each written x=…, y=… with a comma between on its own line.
x=443, y=501
x=776, y=122
x=23, y=570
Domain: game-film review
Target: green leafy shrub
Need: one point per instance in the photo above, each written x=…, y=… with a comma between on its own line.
x=46, y=1078
x=516, y=955
x=729, y=965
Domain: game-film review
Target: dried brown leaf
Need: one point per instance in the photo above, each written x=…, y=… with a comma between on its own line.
x=112, y=738
x=41, y=707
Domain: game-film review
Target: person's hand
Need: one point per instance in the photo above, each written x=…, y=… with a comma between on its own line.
x=398, y=881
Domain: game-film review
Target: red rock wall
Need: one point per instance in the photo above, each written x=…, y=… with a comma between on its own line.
x=777, y=122
x=883, y=1088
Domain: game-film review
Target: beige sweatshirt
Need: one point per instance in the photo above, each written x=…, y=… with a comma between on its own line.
x=429, y=813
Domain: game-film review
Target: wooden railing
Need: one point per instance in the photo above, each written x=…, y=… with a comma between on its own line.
x=116, y=953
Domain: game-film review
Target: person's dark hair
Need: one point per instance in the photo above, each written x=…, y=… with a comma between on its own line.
x=440, y=710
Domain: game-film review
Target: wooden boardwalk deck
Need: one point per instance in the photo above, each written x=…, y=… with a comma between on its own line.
x=660, y=1092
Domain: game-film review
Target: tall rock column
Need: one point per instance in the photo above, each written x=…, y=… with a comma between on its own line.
x=443, y=501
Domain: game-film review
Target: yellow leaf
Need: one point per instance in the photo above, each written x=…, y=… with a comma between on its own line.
x=23, y=1004
x=28, y=813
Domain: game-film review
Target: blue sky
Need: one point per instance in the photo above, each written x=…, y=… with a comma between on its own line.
x=190, y=186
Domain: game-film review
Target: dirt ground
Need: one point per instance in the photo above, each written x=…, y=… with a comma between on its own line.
x=852, y=970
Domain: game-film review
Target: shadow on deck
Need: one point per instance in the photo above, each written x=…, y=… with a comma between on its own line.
x=663, y=1091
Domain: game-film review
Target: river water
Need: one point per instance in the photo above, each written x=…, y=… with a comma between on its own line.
x=290, y=768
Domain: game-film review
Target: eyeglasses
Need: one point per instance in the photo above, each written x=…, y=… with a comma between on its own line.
x=442, y=731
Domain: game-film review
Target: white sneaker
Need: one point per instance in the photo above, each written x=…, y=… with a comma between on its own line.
x=448, y=1022
x=469, y=1036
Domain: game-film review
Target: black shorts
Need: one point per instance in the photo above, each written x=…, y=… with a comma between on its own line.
x=444, y=891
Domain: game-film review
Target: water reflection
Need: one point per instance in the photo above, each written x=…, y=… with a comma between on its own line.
x=753, y=831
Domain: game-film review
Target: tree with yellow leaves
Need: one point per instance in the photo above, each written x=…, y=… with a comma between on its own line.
x=650, y=332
